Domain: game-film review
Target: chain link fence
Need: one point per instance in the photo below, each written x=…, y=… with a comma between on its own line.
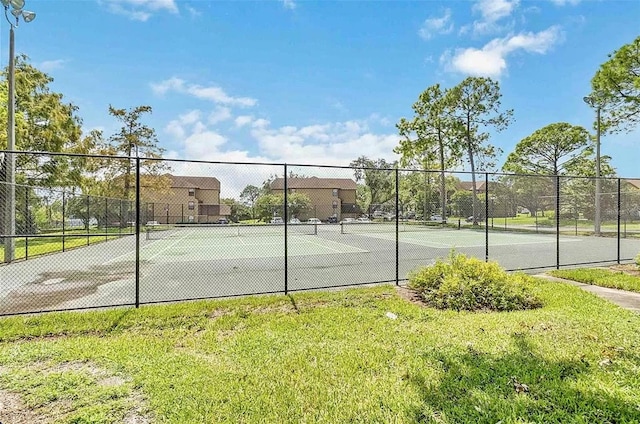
x=197, y=229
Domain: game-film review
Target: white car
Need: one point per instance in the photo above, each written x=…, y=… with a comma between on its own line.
x=314, y=221
x=348, y=221
x=364, y=220
x=277, y=220
x=152, y=223
x=294, y=221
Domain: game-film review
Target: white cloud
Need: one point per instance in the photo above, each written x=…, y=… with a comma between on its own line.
x=140, y=10
x=433, y=25
x=220, y=114
x=494, y=10
x=491, y=12
x=211, y=93
x=336, y=143
x=289, y=4
x=243, y=120
x=565, y=2
x=177, y=127
x=194, y=13
x=491, y=61
x=51, y=65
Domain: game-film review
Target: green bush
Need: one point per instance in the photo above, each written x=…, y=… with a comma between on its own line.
x=638, y=260
x=464, y=283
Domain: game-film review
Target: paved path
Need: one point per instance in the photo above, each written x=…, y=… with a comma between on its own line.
x=625, y=299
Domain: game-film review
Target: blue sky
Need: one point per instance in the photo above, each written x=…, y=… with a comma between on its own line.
x=321, y=82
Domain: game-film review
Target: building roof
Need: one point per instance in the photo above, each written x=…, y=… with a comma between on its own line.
x=634, y=182
x=314, y=182
x=202, y=183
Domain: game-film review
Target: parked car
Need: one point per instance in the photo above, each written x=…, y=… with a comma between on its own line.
x=277, y=220
x=348, y=221
x=223, y=221
x=364, y=220
x=294, y=221
x=478, y=219
x=314, y=221
x=332, y=220
x=436, y=218
x=152, y=223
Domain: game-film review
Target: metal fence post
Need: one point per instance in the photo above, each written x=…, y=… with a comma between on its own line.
x=557, y=222
x=88, y=218
x=137, y=232
x=619, y=213
x=397, y=227
x=106, y=218
x=63, y=219
x=486, y=217
x=286, y=244
x=27, y=219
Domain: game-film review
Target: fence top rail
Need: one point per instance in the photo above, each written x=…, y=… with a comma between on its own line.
x=486, y=174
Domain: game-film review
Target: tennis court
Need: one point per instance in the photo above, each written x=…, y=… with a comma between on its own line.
x=438, y=237
x=182, y=244
x=190, y=262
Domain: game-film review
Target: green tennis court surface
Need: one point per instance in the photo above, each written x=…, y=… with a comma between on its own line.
x=190, y=246
x=465, y=238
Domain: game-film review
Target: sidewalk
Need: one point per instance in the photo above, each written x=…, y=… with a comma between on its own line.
x=625, y=299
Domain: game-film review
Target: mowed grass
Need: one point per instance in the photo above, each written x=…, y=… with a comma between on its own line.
x=330, y=357
x=601, y=277
x=35, y=246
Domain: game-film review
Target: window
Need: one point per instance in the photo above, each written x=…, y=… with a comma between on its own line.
x=335, y=192
x=192, y=192
x=192, y=206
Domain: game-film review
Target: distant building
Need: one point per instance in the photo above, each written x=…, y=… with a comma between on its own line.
x=329, y=196
x=188, y=200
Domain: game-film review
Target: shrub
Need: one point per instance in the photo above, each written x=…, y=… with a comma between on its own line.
x=638, y=260
x=464, y=283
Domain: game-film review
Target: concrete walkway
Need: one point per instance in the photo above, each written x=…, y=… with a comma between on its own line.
x=625, y=299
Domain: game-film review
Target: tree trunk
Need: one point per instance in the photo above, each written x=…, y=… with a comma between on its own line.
x=443, y=189
x=474, y=199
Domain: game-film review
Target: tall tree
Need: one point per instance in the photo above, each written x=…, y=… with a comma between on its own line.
x=475, y=105
x=44, y=122
x=249, y=195
x=379, y=177
x=616, y=86
x=427, y=136
x=549, y=150
x=134, y=139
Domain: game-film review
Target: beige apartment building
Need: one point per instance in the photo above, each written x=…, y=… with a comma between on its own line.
x=188, y=200
x=329, y=196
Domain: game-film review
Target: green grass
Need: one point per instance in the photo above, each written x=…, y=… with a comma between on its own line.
x=43, y=245
x=601, y=277
x=330, y=357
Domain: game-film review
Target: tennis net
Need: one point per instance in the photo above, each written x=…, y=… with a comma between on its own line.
x=388, y=227
x=213, y=231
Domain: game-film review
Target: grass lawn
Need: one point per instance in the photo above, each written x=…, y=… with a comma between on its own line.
x=74, y=238
x=601, y=277
x=328, y=357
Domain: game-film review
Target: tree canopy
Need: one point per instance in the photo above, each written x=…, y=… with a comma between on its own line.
x=44, y=122
x=549, y=150
x=616, y=87
x=475, y=105
x=427, y=138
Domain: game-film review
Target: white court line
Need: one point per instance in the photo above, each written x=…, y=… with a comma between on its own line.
x=338, y=251
x=131, y=252
x=169, y=246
